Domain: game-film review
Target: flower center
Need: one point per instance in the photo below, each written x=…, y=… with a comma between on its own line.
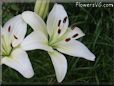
x=52, y=42
x=56, y=36
x=6, y=45
x=66, y=36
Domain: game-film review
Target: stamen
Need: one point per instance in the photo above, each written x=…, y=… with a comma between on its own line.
x=68, y=39
x=64, y=21
x=15, y=37
x=11, y=45
x=9, y=28
x=75, y=35
x=59, y=31
x=73, y=26
x=59, y=23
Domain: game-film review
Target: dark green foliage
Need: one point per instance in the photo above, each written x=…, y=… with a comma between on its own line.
x=96, y=23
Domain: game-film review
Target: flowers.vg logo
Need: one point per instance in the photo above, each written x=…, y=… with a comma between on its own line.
x=96, y=4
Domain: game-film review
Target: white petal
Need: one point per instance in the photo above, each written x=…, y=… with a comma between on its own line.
x=35, y=21
x=75, y=48
x=20, y=62
x=17, y=27
x=60, y=64
x=75, y=33
x=56, y=21
x=36, y=40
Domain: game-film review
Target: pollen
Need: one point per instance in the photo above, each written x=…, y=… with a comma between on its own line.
x=73, y=26
x=15, y=37
x=11, y=45
x=59, y=31
x=59, y=23
x=65, y=19
x=68, y=39
x=75, y=35
x=9, y=28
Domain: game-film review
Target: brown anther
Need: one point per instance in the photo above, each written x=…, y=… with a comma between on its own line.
x=9, y=28
x=59, y=23
x=65, y=19
x=75, y=35
x=68, y=39
x=15, y=37
x=11, y=45
x=73, y=26
x=59, y=31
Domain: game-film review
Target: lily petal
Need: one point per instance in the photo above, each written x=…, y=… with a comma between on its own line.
x=75, y=48
x=36, y=40
x=20, y=62
x=35, y=21
x=60, y=64
x=75, y=33
x=57, y=21
x=17, y=29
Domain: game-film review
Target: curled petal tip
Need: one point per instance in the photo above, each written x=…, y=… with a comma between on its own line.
x=30, y=75
x=93, y=58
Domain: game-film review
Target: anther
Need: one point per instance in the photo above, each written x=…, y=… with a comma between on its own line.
x=73, y=26
x=59, y=31
x=11, y=45
x=59, y=23
x=68, y=39
x=75, y=35
x=9, y=28
x=15, y=37
x=64, y=21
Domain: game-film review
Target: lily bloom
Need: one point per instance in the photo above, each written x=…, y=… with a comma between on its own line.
x=13, y=54
x=56, y=37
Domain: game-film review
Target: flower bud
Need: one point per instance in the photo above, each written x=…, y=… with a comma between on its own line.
x=41, y=8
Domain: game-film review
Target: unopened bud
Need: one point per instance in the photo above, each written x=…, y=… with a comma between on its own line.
x=41, y=8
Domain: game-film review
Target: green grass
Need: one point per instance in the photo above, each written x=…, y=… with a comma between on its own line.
x=96, y=23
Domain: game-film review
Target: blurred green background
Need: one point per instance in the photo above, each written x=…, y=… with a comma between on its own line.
x=96, y=23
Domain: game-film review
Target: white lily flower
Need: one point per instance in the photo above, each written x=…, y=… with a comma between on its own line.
x=13, y=54
x=61, y=38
